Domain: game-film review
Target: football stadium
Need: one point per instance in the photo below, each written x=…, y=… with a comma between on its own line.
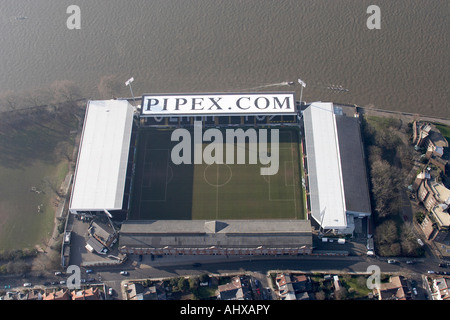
x=220, y=173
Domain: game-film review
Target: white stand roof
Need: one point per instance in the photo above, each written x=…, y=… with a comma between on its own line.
x=324, y=166
x=103, y=156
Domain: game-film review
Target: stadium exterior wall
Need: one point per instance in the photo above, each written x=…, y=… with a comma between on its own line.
x=227, y=237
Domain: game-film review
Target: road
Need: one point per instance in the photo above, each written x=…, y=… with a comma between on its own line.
x=258, y=267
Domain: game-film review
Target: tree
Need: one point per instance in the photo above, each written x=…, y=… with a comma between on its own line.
x=386, y=186
x=386, y=233
x=37, y=97
x=9, y=100
x=340, y=294
x=65, y=91
x=194, y=283
x=109, y=86
x=204, y=277
x=320, y=295
x=183, y=284
x=409, y=244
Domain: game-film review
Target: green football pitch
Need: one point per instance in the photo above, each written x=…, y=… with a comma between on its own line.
x=163, y=190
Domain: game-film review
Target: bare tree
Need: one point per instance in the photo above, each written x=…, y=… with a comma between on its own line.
x=37, y=97
x=9, y=100
x=65, y=91
x=109, y=86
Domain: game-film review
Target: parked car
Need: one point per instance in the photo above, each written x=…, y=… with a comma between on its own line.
x=58, y=273
x=27, y=284
x=431, y=272
x=442, y=265
x=197, y=264
x=415, y=291
x=124, y=273
x=391, y=261
x=89, y=271
x=62, y=282
x=110, y=291
x=409, y=262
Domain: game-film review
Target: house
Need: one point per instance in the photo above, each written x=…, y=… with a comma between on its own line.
x=301, y=283
x=428, y=136
x=137, y=291
x=293, y=287
x=395, y=289
x=234, y=290
x=441, y=288
x=88, y=294
x=436, y=199
x=34, y=295
x=62, y=294
x=103, y=232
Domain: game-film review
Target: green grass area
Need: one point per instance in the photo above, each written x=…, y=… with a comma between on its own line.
x=32, y=166
x=163, y=190
x=445, y=131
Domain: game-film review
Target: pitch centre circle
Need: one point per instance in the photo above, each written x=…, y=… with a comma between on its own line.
x=217, y=175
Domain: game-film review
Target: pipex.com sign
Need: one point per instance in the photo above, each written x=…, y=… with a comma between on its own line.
x=218, y=104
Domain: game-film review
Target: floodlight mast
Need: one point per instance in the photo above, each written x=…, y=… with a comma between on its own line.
x=128, y=83
x=303, y=84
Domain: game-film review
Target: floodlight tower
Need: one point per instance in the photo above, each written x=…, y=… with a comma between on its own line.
x=303, y=84
x=128, y=83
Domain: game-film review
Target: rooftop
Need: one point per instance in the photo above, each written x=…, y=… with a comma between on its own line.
x=103, y=156
x=227, y=233
x=324, y=166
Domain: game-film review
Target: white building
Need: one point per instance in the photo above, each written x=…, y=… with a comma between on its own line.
x=337, y=179
x=99, y=182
